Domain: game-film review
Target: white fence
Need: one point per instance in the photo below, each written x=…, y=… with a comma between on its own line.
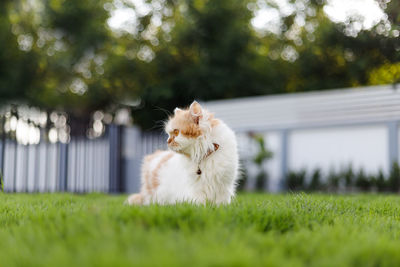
x=136, y=145
x=328, y=130
x=82, y=165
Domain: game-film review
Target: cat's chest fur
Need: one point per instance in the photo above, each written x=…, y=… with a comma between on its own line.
x=218, y=172
x=180, y=179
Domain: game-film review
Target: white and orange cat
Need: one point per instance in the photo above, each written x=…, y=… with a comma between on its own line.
x=200, y=166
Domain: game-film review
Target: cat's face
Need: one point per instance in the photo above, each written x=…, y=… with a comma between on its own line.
x=184, y=127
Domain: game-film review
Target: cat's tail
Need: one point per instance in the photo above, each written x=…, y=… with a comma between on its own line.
x=134, y=199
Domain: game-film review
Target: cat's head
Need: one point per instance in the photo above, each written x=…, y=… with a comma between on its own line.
x=187, y=126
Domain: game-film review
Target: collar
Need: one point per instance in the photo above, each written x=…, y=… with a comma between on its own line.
x=216, y=146
x=210, y=151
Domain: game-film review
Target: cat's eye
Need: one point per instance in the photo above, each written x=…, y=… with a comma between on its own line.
x=176, y=132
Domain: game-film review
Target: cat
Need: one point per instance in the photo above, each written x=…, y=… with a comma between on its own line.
x=201, y=165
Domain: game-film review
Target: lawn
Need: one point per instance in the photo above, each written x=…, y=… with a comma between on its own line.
x=256, y=230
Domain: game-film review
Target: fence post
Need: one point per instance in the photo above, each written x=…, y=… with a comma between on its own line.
x=15, y=145
x=393, y=130
x=62, y=170
x=284, y=158
x=115, y=178
x=131, y=158
x=2, y=149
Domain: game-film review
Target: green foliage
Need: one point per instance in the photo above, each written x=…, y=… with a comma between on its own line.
x=362, y=181
x=349, y=176
x=17, y=68
x=59, y=54
x=209, y=57
x=333, y=180
x=1, y=182
x=45, y=43
x=263, y=154
x=261, y=181
x=316, y=183
x=381, y=184
x=302, y=181
x=394, y=178
x=243, y=176
x=385, y=74
x=296, y=180
x=97, y=230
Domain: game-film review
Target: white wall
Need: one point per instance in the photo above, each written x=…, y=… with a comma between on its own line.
x=364, y=147
x=273, y=141
x=248, y=149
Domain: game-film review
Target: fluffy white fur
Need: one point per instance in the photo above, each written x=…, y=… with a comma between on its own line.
x=177, y=177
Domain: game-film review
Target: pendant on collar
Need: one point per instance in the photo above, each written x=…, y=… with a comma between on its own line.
x=216, y=146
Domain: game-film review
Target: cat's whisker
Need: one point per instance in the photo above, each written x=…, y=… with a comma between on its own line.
x=159, y=125
x=166, y=112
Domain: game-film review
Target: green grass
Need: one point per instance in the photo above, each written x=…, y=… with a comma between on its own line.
x=256, y=230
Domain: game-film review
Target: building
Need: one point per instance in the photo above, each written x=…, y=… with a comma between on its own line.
x=327, y=130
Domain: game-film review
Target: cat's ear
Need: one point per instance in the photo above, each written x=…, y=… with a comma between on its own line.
x=177, y=110
x=196, y=111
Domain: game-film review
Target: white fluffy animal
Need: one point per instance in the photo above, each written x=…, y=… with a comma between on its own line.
x=200, y=166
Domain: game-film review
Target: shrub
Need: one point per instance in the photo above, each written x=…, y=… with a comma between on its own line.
x=259, y=159
x=333, y=180
x=381, y=183
x=243, y=177
x=296, y=180
x=348, y=177
x=261, y=181
x=394, y=178
x=315, y=183
x=362, y=182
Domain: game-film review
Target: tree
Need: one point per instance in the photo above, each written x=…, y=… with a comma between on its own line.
x=209, y=56
x=58, y=54
x=17, y=68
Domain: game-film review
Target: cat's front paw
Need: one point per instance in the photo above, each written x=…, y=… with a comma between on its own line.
x=134, y=199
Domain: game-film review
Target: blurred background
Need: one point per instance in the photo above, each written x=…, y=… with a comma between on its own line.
x=310, y=87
